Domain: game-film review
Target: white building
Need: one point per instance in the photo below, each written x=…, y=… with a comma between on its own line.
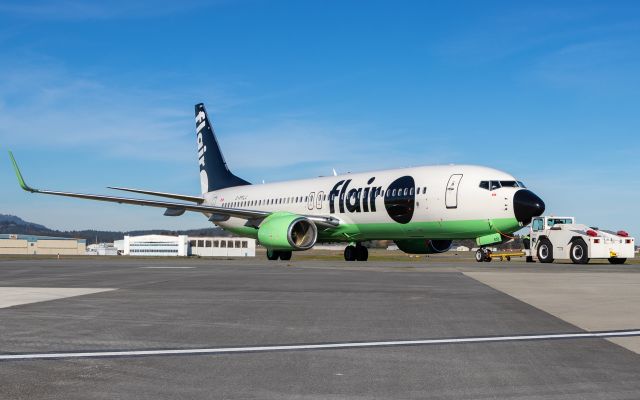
x=160, y=245
x=102, y=249
x=156, y=245
x=462, y=248
x=222, y=247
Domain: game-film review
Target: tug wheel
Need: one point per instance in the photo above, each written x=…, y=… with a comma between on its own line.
x=545, y=251
x=579, y=252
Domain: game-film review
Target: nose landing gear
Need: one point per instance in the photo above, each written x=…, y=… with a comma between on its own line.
x=483, y=254
x=356, y=253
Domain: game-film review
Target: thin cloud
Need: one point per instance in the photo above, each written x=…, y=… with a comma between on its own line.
x=50, y=107
x=595, y=65
x=85, y=10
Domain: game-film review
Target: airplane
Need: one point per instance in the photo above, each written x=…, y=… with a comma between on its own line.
x=422, y=209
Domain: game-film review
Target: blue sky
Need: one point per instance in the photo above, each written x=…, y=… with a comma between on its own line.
x=101, y=93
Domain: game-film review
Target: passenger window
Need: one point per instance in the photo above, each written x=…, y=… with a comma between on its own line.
x=424, y=190
x=484, y=185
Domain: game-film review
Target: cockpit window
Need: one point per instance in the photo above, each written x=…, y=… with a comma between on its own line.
x=509, y=183
x=493, y=185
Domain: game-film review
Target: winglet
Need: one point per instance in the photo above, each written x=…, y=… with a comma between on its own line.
x=21, y=181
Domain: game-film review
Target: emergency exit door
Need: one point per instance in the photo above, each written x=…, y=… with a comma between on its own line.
x=310, y=201
x=451, y=195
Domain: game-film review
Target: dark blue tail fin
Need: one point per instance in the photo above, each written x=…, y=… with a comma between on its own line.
x=214, y=173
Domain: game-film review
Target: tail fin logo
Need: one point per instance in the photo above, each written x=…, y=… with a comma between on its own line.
x=201, y=121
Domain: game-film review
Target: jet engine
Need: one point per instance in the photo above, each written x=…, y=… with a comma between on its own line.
x=424, y=246
x=287, y=231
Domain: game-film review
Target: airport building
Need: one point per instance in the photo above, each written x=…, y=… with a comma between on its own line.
x=162, y=245
x=156, y=245
x=31, y=244
x=222, y=247
x=102, y=249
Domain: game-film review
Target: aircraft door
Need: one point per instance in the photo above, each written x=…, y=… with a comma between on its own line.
x=310, y=202
x=451, y=194
x=319, y=200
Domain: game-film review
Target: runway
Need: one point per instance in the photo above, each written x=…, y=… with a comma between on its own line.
x=307, y=329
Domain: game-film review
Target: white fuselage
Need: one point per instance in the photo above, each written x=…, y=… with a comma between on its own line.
x=438, y=196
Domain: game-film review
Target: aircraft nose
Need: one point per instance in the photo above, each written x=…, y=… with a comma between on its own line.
x=527, y=205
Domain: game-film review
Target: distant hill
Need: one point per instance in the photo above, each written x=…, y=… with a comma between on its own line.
x=13, y=221
x=16, y=225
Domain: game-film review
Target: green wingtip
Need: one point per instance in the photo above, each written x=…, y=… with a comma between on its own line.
x=21, y=181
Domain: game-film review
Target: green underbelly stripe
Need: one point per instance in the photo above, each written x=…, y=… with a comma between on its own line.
x=467, y=229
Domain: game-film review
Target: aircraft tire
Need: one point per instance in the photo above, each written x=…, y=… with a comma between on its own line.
x=285, y=255
x=350, y=253
x=272, y=254
x=362, y=253
x=614, y=260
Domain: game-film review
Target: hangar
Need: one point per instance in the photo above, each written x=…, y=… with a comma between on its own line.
x=32, y=244
x=156, y=245
x=164, y=245
x=222, y=246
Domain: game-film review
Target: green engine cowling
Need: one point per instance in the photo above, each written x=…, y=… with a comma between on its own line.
x=423, y=246
x=287, y=231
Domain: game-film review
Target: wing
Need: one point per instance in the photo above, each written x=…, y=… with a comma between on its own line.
x=195, y=199
x=173, y=208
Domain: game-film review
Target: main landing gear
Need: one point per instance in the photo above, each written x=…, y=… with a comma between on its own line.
x=278, y=254
x=356, y=253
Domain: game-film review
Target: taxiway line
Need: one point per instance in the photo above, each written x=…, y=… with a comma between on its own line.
x=318, y=346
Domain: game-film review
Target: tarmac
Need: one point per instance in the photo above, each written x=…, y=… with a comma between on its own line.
x=126, y=328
